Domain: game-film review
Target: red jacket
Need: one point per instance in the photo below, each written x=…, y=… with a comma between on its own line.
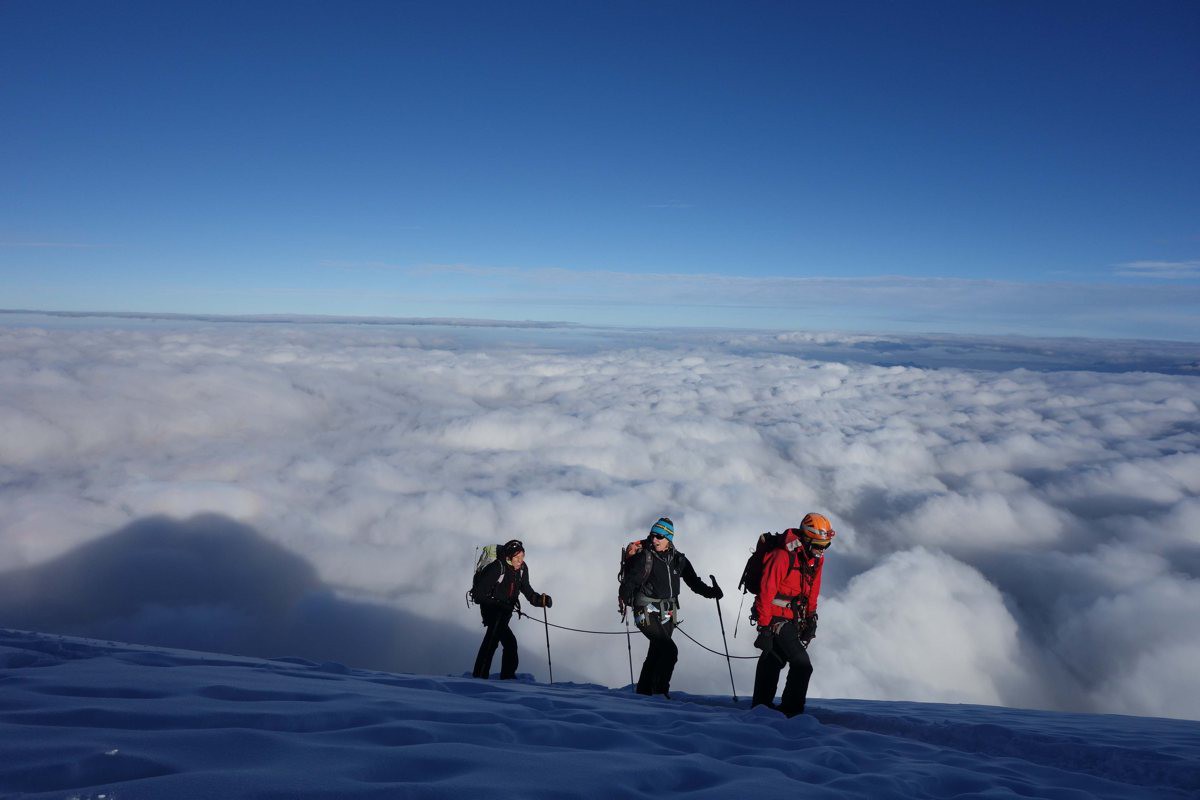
x=802, y=580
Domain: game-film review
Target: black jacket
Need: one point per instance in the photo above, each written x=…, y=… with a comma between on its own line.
x=498, y=584
x=656, y=575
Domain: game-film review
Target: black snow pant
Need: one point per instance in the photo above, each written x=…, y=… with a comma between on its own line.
x=785, y=650
x=655, y=677
x=496, y=618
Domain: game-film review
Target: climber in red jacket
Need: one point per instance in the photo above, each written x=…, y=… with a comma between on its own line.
x=786, y=613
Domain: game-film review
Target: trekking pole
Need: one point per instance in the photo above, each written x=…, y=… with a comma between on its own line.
x=728, y=662
x=546, y=620
x=629, y=647
x=738, y=621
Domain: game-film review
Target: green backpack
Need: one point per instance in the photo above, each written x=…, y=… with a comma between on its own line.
x=487, y=554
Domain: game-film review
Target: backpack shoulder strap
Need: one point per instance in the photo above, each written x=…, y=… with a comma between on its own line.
x=644, y=566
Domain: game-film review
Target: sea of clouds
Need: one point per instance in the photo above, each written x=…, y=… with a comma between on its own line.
x=1005, y=536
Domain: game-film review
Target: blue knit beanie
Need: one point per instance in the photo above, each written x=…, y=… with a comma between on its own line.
x=664, y=527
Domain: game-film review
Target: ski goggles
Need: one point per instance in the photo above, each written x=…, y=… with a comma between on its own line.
x=814, y=534
x=817, y=550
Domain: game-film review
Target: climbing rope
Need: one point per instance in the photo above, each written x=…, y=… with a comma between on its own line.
x=622, y=633
x=709, y=649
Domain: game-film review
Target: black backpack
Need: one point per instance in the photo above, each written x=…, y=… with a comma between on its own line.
x=625, y=559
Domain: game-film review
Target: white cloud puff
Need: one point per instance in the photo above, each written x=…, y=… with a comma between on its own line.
x=1145, y=639
x=1010, y=513
x=924, y=626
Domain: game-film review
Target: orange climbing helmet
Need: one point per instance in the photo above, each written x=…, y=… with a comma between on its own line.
x=816, y=531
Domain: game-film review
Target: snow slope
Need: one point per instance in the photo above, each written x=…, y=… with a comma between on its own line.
x=85, y=719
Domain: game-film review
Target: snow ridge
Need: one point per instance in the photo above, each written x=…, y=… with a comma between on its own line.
x=87, y=719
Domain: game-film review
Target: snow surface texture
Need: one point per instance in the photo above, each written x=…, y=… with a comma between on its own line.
x=1020, y=538
x=83, y=720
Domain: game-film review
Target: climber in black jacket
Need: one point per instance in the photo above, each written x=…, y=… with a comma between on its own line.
x=651, y=588
x=495, y=588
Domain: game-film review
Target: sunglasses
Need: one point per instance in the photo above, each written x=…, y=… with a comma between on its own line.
x=658, y=537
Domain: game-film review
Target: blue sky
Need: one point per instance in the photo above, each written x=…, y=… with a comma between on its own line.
x=965, y=167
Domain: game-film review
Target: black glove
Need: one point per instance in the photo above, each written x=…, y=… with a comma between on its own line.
x=714, y=592
x=808, y=629
x=547, y=600
x=765, y=638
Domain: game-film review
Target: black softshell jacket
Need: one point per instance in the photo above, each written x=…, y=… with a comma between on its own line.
x=662, y=575
x=498, y=584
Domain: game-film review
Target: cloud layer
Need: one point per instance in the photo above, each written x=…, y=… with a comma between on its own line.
x=1022, y=538
x=1138, y=304
x=1168, y=270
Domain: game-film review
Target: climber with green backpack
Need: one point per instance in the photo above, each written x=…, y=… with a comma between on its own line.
x=501, y=575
